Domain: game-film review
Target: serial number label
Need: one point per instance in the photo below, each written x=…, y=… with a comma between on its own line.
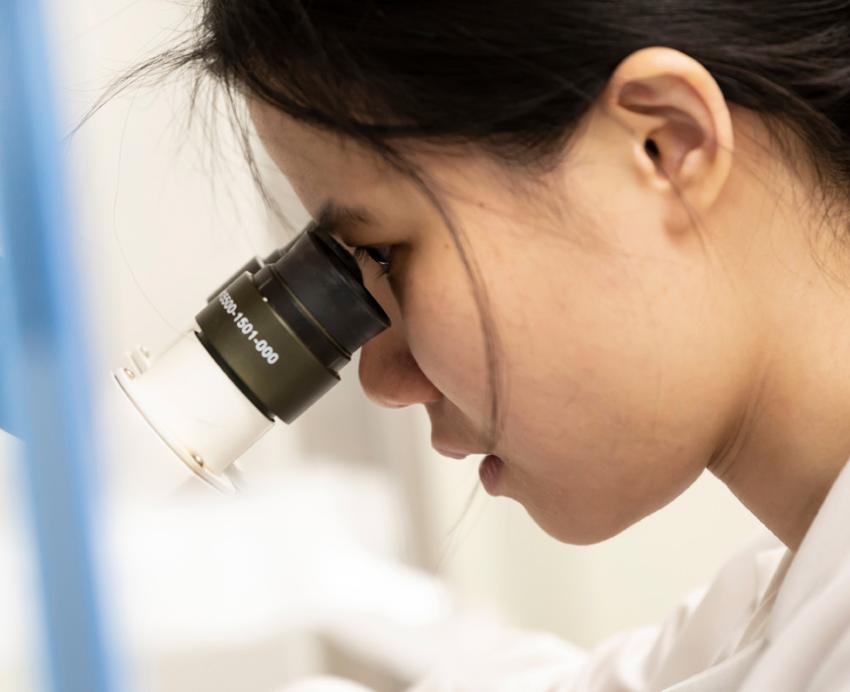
x=264, y=348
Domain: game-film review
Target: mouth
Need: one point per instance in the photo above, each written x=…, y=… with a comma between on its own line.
x=451, y=453
x=489, y=470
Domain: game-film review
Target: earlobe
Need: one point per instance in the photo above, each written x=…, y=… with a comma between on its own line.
x=679, y=121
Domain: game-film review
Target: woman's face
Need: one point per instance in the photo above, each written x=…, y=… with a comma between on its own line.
x=617, y=346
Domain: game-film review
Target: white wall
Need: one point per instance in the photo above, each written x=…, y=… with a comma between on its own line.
x=155, y=236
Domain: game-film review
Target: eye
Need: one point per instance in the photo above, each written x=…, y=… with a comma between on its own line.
x=380, y=255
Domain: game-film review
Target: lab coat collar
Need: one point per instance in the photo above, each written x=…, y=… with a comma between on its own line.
x=825, y=545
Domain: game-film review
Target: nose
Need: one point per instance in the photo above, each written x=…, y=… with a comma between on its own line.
x=389, y=374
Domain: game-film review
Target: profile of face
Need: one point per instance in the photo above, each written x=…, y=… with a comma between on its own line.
x=622, y=344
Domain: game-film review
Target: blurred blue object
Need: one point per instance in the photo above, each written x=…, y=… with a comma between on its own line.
x=44, y=387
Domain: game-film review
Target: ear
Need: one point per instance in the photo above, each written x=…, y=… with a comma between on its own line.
x=680, y=121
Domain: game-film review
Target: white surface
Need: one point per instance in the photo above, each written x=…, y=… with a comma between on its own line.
x=221, y=571
x=323, y=683
x=271, y=567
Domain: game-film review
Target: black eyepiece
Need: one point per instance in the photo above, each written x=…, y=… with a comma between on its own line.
x=282, y=327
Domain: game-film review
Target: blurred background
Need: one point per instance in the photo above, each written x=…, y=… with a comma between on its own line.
x=351, y=548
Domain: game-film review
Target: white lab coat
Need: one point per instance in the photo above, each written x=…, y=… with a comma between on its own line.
x=771, y=621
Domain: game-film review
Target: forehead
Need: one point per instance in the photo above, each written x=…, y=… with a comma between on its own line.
x=319, y=165
x=323, y=166
x=299, y=145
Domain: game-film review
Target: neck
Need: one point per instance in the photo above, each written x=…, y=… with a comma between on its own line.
x=789, y=447
x=790, y=436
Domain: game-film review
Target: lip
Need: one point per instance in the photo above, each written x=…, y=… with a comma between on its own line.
x=490, y=470
x=451, y=453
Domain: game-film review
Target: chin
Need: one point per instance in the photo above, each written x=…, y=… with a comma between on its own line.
x=578, y=532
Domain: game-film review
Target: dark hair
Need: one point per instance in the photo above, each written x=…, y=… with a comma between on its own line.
x=515, y=78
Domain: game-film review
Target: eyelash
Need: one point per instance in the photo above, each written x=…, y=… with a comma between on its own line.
x=384, y=264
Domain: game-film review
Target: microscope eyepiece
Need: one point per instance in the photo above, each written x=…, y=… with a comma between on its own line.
x=269, y=343
x=319, y=279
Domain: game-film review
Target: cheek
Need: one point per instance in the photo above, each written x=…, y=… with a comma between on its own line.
x=444, y=333
x=618, y=388
x=445, y=339
x=614, y=387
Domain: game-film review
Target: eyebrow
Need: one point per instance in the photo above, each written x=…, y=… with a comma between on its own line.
x=335, y=216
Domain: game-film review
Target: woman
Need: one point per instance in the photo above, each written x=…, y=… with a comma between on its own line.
x=612, y=242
